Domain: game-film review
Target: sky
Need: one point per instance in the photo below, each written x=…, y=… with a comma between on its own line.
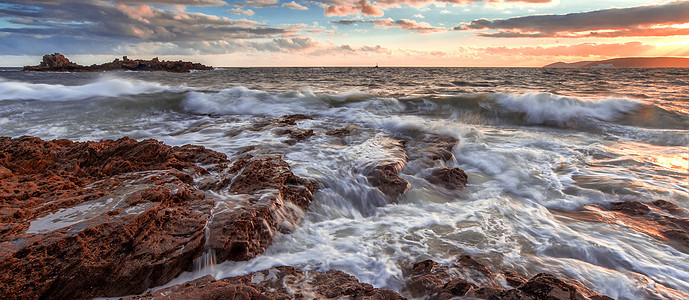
x=248, y=33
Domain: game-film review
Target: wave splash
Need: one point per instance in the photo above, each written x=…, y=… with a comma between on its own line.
x=546, y=108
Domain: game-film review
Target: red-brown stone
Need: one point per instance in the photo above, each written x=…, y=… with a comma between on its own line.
x=470, y=278
x=147, y=217
x=451, y=178
x=276, y=283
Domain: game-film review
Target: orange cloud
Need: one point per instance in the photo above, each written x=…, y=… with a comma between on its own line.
x=404, y=24
x=651, y=20
x=356, y=7
x=344, y=7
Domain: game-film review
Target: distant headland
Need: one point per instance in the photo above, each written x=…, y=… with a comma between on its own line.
x=59, y=63
x=627, y=62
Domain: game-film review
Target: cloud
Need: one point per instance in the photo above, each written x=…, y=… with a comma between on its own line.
x=351, y=7
x=95, y=23
x=294, y=5
x=651, y=20
x=261, y=3
x=239, y=11
x=404, y=24
x=362, y=7
x=419, y=16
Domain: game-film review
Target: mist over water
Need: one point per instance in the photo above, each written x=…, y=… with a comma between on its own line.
x=534, y=142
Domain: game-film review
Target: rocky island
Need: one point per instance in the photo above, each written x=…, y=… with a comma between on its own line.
x=59, y=63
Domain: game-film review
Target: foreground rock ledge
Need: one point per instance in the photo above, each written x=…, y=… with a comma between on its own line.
x=275, y=283
x=112, y=218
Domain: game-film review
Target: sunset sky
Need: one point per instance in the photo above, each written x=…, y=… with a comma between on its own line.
x=343, y=32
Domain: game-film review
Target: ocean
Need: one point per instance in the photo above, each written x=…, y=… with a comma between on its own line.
x=543, y=148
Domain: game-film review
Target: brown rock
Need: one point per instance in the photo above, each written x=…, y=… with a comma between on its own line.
x=448, y=177
x=667, y=206
x=432, y=147
x=547, y=286
x=338, y=132
x=297, y=135
x=633, y=208
x=275, y=283
x=652, y=220
x=470, y=278
x=385, y=177
x=142, y=219
x=273, y=198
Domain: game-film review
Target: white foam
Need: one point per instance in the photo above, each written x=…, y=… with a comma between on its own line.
x=104, y=87
x=541, y=108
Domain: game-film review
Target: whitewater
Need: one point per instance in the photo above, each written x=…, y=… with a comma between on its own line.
x=538, y=145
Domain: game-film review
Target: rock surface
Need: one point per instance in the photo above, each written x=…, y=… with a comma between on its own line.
x=425, y=150
x=275, y=283
x=448, y=177
x=659, y=219
x=113, y=218
x=59, y=63
x=469, y=278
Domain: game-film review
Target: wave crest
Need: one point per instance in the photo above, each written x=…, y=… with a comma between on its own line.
x=106, y=87
x=545, y=108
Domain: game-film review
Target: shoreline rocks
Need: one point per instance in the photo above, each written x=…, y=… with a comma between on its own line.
x=57, y=62
x=275, y=283
x=470, y=278
x=113, y=218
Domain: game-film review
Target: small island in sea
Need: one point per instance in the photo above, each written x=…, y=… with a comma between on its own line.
x=59, y=63
x=627, y=62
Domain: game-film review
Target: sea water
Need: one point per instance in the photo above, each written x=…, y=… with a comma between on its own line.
x=534, y=142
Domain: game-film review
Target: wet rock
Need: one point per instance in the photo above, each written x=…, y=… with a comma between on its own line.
x=385, y=177
x=59, y=63
x=141, y=219
x=431, y=147
x=448, y=177
x=269, y=197
x=292, y=119
x=661, y=204
x=632, y=208
x=297, y=135
x=112, y=218
x=513, y=279
x=470, y=278
x=275, y=283
x=339, y=132
x=660, y=219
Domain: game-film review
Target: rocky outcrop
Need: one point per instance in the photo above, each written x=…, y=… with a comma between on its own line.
x=275, y=283
x=450, y=178
x=469, y=278
x=271, y=199
x=59, y=63
x=112, y=218
x=659, y=219
x=384, y=174
x=425, y=151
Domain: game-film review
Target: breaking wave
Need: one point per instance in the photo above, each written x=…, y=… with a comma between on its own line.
x=546, y=108
x=105, y=87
